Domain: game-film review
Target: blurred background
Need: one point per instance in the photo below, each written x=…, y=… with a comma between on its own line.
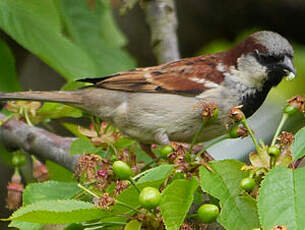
x=46, y=44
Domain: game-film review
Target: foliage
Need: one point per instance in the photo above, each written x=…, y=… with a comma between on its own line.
x=79, y=39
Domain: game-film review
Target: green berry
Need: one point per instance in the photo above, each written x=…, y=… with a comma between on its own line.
x=149, y=197
x=247, y=184
x=274, y=151
x=122, y=170
x=165, y=150
x=290, y=110
x=208, y=213
x=18, y=160
x=233, y=133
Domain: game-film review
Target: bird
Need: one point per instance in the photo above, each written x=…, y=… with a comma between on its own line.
x=163, y=103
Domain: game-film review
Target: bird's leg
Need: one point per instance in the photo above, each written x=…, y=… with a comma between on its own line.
x=147, y=148
x=160, y=138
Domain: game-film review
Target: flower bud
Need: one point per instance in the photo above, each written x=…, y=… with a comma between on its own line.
x=105, y=201
x=14, y=192
x=40, y=171
x=210, y=111
x=297, y=102
x=236, y=114
x=286, y=138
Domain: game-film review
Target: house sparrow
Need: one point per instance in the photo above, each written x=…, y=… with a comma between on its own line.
x=164, y=103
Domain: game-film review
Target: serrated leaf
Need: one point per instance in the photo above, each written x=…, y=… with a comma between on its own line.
x=133, y=225
x=224, y=181
x=239, y=211
x=35, y=25
x=81, y=146
x=50, y=190
x=58, y=212
x=298, y=145
x=176, y=200
x=281, y=198
x=25, y=225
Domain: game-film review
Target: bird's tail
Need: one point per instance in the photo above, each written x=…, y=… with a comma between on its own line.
x=69, y=97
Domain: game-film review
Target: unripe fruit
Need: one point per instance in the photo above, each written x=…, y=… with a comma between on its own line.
x=122, y=170
x=233, y=132
x=149, y=197
x=18, y=160
x=208, y=213
x=247, y=184
x=165, y=150
x=274, y=151
x=290, y=110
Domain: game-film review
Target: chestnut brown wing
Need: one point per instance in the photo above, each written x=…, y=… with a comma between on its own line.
x=189, y=76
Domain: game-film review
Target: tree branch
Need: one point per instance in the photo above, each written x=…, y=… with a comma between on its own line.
x=161, y=17
x=18, y=135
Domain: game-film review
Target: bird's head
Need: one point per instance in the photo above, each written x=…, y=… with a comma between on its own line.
x=262, y=59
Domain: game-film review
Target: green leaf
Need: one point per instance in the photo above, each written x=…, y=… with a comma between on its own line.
x=133, y=225
x=59, y=173
x=73, y=128
x=25, y=225
x=35, y=25
x=238, y=211
x=157, y=175
x=124, y=142
x=50, y=190
x=110, y=31
x=56, y=110
x=81, y=146
x=74, y=227
x=5, y=155
x=223, y=182
x=8, y=76
x=176, y=201
x=298, y=145
x=281, y=199
x=97, y=34
x=58, y=212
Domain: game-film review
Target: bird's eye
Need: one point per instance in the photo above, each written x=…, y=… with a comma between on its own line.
x=268, y=59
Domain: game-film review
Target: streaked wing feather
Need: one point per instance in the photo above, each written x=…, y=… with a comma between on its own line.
x=187, y=76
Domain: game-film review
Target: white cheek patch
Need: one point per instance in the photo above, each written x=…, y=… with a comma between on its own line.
x=249, y=72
